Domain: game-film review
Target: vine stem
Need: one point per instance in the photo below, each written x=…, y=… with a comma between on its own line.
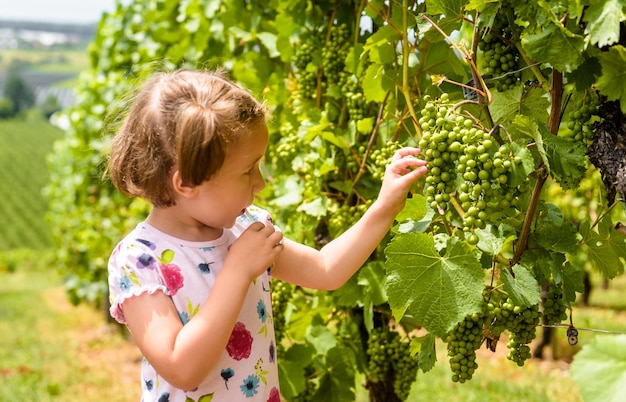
x=556, y=92
x=405, y=68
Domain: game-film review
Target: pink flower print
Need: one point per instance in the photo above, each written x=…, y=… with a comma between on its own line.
x=173, y=278
x=240, y=342
x=274, y=395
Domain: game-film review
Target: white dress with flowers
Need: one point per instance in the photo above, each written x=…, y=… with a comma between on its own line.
x=148, y=260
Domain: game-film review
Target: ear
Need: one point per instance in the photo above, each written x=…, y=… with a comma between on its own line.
x=182, y=189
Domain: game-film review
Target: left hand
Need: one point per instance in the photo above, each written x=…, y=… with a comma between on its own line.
x=400, y=174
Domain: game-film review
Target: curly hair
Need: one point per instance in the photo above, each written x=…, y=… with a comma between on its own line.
x=183, y=120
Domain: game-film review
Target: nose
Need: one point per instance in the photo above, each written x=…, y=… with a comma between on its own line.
x=259, y=181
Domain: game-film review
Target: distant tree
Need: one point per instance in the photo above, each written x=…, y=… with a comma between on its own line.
x=18, y=92
x=6, y=108
x=50, y=105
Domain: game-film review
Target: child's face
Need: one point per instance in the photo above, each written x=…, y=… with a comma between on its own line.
x=222, y=198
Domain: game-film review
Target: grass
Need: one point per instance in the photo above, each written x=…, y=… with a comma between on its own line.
x=24, y=146
x=51, y=350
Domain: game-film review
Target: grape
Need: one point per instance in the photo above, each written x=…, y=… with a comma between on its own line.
x=346, y=216
x=462, y=342
x=281, y=294
x=583, y=113
x=389, y=357
x=501, y=60
x=381, y=157
x=466, y=160
x=305, y=76
x=554, y=308
x=378, y=364
x=332, y=61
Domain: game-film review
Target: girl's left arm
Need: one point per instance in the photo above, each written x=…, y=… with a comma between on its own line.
x=330, y=267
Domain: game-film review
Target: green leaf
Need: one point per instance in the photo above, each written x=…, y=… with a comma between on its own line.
x=376, y=84
x=554, y=233
x=605, y=248
x=321, y=338
x=438, y=291
x=600, y=369
x=340, y=363
x=427, y=352
x=269, y=41
x=613, y=70
x=567, y=160
x=445, y=7
x=603, y=20
x=316, y=208
x=291, y=369
x=523, y=289
x=555, y=45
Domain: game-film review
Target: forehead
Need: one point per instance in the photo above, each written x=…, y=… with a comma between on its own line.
x=250, y=147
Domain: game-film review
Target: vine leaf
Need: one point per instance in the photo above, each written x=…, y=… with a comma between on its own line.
x=291, y=369
x=607, y=248
x=554, y=232
x=613, y=70
x=600, y=369
x=523, y=289
x=438, y=291
x=427, y=352
x=565, y=160
x=555, y=45
x=603, y=22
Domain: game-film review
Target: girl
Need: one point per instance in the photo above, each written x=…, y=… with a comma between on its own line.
x=192, y=281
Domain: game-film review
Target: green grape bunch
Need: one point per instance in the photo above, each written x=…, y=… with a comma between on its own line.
x=501, y=59
x=582, y=115
x=389, y=357
x=463, y=340
x=465, y=161
x=332, y=62
x=554, y=308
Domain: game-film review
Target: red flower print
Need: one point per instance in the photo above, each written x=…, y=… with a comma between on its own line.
x=173, y=278
x=240, y=342
x=274, y=395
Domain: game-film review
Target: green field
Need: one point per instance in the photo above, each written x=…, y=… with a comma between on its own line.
x=24, y=145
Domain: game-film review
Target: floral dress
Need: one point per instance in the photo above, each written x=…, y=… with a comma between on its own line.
x=148, y=260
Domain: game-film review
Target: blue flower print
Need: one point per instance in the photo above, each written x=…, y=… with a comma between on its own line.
x=146, y=261
x=261, y=311
x=184, y=317
x=227, y=374
x=272, y=352
x=149, y=385
x=165, y=397
x=250, y=385
x=205, y=267
x=125, y=284
x=150, y=245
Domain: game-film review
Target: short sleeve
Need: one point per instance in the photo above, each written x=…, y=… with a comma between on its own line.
x=133, y=270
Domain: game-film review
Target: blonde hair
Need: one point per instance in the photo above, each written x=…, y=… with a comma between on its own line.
x=183, y=120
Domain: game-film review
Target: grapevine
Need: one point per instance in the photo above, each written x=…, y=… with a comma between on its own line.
x=501, y=57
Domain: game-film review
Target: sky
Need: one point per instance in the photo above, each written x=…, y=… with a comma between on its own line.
x=58, y=11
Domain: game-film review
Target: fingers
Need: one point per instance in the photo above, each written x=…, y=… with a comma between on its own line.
x=404, y=161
